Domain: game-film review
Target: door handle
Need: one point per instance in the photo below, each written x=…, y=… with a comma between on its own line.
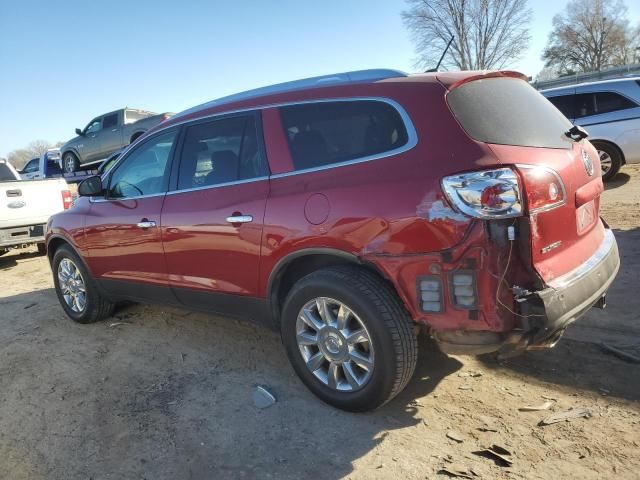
x=240, y=219
x=144, y=223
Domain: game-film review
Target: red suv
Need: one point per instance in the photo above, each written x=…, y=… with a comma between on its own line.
x=346, y=210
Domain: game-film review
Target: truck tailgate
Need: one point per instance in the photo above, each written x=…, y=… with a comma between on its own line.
x=30, y=202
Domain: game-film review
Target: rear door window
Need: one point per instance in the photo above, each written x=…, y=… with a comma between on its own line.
x=564, y=103
x=221, y=151
x=597, y=103
x=508, y=111
x=326, y=133
x=110, y=121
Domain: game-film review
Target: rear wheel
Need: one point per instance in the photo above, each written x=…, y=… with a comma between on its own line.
x=76, y=290
x=349, y=338
x=70, y=162
x=610, y=160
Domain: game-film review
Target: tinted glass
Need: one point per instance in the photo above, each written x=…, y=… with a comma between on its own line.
x=331, y=132
x=94, y=126
x=601, y=102
x=32, y=166
x=508, y=111
x=5, y=173
x=564, y=103
x=110, y=121
x=144, y=171
x=221, y=151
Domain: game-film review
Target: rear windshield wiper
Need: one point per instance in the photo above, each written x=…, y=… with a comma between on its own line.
x=576, y=133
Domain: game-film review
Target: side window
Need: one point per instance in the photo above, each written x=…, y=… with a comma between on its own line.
x=331, y=132
x=94, y=126
x=601, y=102
x=564, y=103
x=221, y=151
x=145, y=170
x=110, y=121
x=32, y=166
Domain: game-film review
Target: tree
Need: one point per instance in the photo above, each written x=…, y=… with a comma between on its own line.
x=487, y=34
x=18, y=158
x=591, y=35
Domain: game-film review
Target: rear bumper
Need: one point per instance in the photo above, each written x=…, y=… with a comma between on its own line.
x=544, y=315
x=16, y=236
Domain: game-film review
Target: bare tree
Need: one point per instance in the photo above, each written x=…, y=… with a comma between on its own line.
x=591, y=35
x=486, y=34
x=18, y=158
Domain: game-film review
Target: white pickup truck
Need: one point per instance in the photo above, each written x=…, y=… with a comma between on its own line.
x=25, y=208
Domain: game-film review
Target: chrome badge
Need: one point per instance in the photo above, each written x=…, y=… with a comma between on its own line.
x=588, y=163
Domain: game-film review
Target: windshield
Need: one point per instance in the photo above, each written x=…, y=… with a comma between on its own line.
x=5, y=173
x=508, y=111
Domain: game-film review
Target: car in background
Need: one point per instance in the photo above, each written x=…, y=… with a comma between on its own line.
x=345, y=211
x=106, y=134
x=25, y=208
x=610, y=112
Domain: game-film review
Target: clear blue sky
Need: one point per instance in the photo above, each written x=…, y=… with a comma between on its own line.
x=61, y=63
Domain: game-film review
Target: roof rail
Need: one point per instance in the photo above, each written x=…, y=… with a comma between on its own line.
x=357, y=76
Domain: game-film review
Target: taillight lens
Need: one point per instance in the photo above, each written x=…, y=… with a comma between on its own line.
x=67, y=199
x=485, y=194
x=543, y=188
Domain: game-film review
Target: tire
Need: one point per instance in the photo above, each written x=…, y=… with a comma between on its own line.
x=42, y=249
x=96, y=307
x=609, y=156
x=70, y=163
x=391, y=348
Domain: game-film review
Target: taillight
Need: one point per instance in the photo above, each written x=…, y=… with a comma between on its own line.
x=67, y=200
x=543, y=188
x=488, y=194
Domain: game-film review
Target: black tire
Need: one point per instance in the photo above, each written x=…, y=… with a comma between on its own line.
x=70, y=163
x=388, y=324
x=97, y=307
x=42, y=249
x=614, y=155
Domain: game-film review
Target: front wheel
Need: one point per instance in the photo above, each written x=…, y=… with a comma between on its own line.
x=610, y=160
x=76, y=290
x=71, y=163
x=349, y=338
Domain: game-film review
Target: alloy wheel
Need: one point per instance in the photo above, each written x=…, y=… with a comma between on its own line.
x=72, y=285
x=335, y=344
x=605, y=161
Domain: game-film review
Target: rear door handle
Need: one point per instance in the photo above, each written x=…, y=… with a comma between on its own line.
x=144, y=223
x=240, y=219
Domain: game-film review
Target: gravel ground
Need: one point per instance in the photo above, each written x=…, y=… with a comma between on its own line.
x=161, y=393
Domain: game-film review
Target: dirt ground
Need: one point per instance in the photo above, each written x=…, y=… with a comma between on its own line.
x=167, y=394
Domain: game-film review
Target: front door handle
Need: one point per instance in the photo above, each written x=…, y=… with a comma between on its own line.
x=240, y=219
x=144, y=223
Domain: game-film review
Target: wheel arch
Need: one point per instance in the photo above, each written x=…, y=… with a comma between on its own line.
x=136, y=135
x=296, y=265
x=612, y=144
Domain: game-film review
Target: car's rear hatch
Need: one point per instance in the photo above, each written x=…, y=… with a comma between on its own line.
x=560, y=177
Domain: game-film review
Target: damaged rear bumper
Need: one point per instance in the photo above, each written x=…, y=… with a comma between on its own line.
x=545, y=314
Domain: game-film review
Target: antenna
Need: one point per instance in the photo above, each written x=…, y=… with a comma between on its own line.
x=442, y=57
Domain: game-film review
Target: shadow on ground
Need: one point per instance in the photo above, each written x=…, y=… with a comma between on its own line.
x=165, y=393
x=618, y=181
x=578, y=361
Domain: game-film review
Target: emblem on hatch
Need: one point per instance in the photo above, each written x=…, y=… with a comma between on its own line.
x=588, y=164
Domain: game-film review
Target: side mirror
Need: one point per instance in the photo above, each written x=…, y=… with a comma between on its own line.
x=79, y=132
x=90, y=187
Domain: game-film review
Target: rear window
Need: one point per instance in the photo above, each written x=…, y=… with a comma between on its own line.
x=131, y=116
x=5, y=174
x=325, y=133
x=508, y=111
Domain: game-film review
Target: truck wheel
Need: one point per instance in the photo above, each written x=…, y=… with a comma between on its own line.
x=349, y=338
x=76, y=290
x=70, y=163
x=610, y=160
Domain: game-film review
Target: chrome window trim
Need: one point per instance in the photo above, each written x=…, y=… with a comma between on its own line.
x=412, y=138
x=219, y=185
x=138, y=197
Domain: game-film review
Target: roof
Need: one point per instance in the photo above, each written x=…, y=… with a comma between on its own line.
x=588, y=84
